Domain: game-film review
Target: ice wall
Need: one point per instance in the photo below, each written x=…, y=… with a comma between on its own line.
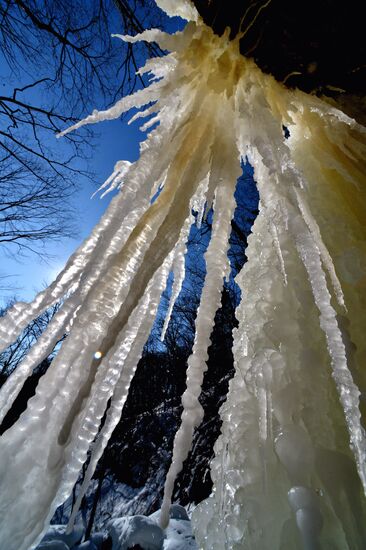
x=289, y=470
x=290, y=464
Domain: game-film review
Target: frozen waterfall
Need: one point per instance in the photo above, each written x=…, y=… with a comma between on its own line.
x=289, y=470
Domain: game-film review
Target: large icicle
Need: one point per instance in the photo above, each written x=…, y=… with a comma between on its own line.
x=124, y=364
x=348, y=391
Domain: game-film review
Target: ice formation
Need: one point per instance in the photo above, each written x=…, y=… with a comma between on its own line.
x=289, y=470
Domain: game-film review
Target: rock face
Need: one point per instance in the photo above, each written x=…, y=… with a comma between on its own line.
x=317, y=45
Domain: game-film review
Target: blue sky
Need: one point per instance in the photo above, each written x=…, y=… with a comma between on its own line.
x=115, y=140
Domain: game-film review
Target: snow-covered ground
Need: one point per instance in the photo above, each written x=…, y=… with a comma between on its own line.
x=123, y=533
x=115, y=500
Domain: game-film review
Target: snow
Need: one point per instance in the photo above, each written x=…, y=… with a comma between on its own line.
x=57, y=534
x=178, y=512
x=300, y=344
x=125, y=532
x=179, y=536
x=146, y=531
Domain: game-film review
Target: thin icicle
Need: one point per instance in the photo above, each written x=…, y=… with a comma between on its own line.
x=138, y=99
x=199, y=202
x=325, y=256
x=276, y=244
x=120, y=170
x=158, y=68
x=164, y=40
x=142, y=114
x=184, y=9
x=178, y=272
x=147, y=125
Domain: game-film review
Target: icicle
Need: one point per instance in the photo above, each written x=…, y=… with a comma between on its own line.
x=349, y=393
x=184, y=9
x=149, y=123
x=276, y=244
x=142, y=114
x=102, y=316
x=121, y=168
x=178, y=272
x=38, y=353
x=157, y=68
x=325, y=256
x=164, y=40
x=138, y=99
x=128, y=363
x=209, y=102
x=249, y=506
x=199, y=202
x=216, y=265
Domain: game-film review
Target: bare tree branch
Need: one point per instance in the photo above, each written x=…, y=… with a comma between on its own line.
x=63, y=60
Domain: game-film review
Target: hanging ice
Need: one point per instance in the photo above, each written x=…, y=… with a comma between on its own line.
x=285, y=472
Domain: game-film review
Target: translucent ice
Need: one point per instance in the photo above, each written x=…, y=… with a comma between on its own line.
x=292, y=426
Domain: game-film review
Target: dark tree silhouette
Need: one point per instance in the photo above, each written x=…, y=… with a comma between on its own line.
x=12, y=357
x=16, y=352
x=58, y=61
